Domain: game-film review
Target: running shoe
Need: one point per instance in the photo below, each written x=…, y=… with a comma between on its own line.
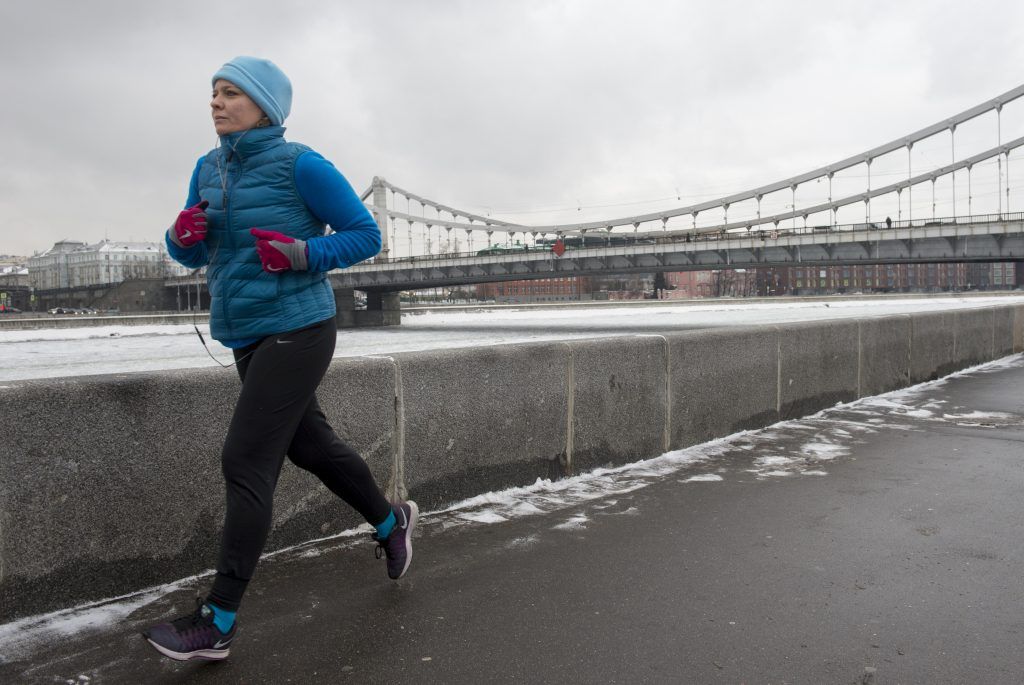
x=398, y=545
x=192, y=637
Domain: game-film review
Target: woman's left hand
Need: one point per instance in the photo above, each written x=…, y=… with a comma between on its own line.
x=279, y=252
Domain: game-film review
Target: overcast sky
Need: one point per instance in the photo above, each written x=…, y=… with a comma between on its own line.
x=531, y=111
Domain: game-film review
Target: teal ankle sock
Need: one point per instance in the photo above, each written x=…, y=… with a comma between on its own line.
x=222, y=618
x=384, y=529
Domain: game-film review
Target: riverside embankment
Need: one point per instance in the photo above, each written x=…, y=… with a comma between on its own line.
x=111, y=483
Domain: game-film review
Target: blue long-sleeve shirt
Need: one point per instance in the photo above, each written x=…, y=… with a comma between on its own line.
x=331, y=199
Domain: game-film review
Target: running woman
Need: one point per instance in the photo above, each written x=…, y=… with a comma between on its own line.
x=256, y=216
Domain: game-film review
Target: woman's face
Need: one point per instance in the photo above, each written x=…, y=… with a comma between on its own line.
x=233, y=110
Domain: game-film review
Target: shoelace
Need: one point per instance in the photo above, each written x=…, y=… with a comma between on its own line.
x=193, y=619
x=195, y=629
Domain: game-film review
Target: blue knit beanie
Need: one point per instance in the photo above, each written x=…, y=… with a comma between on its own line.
x=262, y=81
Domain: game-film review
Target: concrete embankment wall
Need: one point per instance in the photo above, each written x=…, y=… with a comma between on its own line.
x=36, y=322
x=110, y=484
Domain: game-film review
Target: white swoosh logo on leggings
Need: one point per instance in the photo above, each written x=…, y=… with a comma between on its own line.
x=274, y=268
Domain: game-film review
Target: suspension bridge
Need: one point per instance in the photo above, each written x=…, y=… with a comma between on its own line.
x=733, y=231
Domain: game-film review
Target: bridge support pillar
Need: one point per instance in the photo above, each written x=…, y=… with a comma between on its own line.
x=382, y=309
x=345, y=300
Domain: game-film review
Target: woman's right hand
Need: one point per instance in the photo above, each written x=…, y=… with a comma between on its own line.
x=190, y=226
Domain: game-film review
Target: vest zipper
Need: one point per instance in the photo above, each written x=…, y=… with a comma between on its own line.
x=228, y=234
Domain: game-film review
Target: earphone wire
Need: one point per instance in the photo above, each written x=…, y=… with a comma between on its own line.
x=195, y=325
x=195, y=322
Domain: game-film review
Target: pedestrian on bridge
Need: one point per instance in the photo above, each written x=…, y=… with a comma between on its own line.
x=256, y=216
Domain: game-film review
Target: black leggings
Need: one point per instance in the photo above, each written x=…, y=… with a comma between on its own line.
x=277, y=413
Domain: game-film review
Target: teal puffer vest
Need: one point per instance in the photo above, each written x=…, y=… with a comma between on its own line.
x=249, y=182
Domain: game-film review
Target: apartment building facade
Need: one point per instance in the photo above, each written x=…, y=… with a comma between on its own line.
x=75, y=264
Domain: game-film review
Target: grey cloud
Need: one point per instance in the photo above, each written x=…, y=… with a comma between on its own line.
x=505, y=105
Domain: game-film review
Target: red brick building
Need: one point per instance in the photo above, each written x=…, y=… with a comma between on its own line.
x=538, y=290
x=720, y=283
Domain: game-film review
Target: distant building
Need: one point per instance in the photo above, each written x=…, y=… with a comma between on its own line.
x=9, y=262
x=74, y=264
x=801, y=280
x=14, y=289
x=13, y=275
x=719, y=283
x=622, y=286
x=562, y=289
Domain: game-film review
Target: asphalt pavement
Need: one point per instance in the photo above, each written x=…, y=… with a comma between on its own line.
x=876, y=543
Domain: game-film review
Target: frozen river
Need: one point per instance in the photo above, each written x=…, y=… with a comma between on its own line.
x=49, y=353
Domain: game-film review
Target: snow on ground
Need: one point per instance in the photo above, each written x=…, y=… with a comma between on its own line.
x=803, y=447
x=50, y=353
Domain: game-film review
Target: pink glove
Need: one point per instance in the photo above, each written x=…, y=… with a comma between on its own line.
x=279, y=252
x=190, y=226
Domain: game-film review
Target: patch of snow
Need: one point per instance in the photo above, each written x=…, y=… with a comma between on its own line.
x=577, y=522
x=482, y=517
x=773, y=461
x=824, y=450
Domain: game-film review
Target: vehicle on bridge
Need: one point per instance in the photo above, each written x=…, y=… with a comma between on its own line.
x=506, y=249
